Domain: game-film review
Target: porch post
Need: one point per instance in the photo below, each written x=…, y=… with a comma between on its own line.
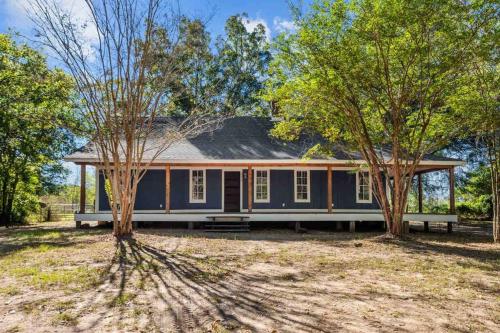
x=452, y=196
x=452, y=190
x=420, y=201
x=83, y=171
x=249, y=189
x=167, y=189
x=329, y=196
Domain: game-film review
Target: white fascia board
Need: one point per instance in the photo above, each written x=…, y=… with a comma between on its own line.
x=264, y=162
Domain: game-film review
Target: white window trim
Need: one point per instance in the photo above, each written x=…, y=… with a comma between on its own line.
x=191, y=200
x=268, y=200
x=308, y=186
x=369, y=188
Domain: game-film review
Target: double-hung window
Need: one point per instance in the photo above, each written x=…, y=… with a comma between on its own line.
x=261, y=188
x=363, y=187
x=302, y=186
x=197, y=188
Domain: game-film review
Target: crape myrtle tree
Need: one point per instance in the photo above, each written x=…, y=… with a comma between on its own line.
x=377, y=76
x=123, y=77
x=36, y=119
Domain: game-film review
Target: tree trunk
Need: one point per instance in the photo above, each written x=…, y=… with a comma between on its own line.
x=494, y=157
x=8, y=194
x=4, y=218
x=123, y=206
x=393, y=210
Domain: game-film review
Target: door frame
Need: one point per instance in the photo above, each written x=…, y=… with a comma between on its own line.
x=240, y=171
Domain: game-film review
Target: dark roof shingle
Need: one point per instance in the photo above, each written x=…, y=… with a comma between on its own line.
x=240, y=138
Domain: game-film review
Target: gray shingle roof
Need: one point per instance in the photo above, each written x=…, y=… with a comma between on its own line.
x=240, y=138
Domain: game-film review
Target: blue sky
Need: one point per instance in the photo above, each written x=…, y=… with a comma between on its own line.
x=273, y=14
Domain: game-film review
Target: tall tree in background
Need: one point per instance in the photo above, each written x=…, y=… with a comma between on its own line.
x=378, y=76
x=36, y=113
x=479, y=99
x=242, y=63
x=123, y=80
x=195, y=85
x=230, y=78
x=473, y=182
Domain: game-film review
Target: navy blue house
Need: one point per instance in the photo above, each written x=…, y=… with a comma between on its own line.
x=240, y=170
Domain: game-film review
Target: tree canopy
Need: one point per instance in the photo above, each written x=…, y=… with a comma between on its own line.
x=228, y=76
x=36, y=118
x=380, y=77
x=242, y=61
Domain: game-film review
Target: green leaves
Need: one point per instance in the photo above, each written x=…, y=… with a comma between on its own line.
x=36, y=113
x=242, y=60
x=379, y=69
x=227, y=77
x=386, y=76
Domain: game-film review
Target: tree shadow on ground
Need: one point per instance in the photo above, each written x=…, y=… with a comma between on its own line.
x=14, y=240
x=271, y=235
x=451, y=246
x=175, y=291
x=166, y=289
x=190, y=295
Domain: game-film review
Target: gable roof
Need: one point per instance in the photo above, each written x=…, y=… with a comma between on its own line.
x=240, y=139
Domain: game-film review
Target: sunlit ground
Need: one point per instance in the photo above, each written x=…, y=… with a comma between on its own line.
x=57, y=278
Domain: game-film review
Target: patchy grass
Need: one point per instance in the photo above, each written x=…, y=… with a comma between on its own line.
x=10, y=290
x=63, y=279
x=65, y=319
x=64, y=305
x=36, y=234
x=79, y=277
x=122, y=300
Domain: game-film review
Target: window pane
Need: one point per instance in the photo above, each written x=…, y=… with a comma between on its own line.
x=197, y=186
x=363, y=190
x=301, y=185
x=364, y=178
x=261, y=190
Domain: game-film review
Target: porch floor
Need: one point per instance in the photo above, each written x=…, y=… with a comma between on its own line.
x=269, y=217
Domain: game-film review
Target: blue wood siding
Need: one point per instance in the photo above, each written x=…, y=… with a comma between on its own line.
x=179, y=194
x=344, y=192
x=150, y=192
x=283, y=194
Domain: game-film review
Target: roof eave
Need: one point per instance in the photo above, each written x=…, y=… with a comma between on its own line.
x=80, y=160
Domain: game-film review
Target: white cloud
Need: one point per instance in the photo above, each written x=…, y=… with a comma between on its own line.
x=17, y=17
x=16, y=12
x=282, y=25
x=251, y=24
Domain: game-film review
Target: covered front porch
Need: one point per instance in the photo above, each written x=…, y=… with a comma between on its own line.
x=256, y=215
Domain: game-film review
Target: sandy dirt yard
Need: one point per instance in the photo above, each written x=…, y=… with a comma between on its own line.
x=55, y=278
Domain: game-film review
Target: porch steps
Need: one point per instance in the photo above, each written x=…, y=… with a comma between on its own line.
x=227, y=224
